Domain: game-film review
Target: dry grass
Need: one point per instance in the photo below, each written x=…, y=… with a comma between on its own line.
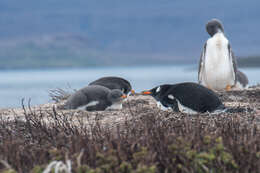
x=139, y=138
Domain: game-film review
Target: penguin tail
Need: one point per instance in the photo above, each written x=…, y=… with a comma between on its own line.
x=220, y=109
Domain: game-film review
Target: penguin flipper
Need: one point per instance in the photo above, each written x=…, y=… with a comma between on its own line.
x=172, y=104
x=233, y=63
x=100, y=106
x=201, y=64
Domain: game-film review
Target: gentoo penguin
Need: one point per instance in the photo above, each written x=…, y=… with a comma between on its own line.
x=186, y=97
x=114, y=83
x=217, y=66
x=242, y=80
x=95, y=98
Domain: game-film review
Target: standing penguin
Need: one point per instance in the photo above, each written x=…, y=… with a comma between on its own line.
x=217, y=66
x=113, y=82
x=95, y=98
x=186, y=97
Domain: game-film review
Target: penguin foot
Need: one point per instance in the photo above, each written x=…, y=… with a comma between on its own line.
x=228, y=87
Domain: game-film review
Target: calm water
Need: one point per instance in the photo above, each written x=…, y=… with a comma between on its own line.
x=35, y=84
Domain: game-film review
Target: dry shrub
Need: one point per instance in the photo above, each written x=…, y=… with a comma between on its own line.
x=150, y=141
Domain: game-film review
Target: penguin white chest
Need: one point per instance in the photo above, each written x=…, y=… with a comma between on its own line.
x=115, y=106
x=84, y=107
x=218, y=66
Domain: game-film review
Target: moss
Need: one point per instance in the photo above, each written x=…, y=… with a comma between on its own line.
x=145, y=169
x=206, y=156
x=258, y=155
x=125, y=168
x=9, y=171
x=85, y=169
x=37, y=169
x=191, y=154
x=106, y=162
x=140, y=156
x=207, y=140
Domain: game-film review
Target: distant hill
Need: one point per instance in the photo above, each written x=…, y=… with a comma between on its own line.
x=253, y=61
x=69, y=33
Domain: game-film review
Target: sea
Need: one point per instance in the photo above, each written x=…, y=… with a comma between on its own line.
x=34, y=85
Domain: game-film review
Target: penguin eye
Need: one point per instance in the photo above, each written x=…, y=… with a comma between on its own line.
x=158, y=89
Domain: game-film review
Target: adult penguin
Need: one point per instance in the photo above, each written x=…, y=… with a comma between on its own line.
x=186, y=97
x=217, y=66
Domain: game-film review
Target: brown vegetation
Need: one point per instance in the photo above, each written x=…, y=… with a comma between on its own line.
x=139, y=138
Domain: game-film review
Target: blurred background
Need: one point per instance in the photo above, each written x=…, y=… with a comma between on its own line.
x=66, y=44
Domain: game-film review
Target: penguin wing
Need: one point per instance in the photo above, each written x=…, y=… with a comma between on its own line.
x=76, y=100
x=100, y=105
x=242, y=78
x=233, y=63
x=201, y=63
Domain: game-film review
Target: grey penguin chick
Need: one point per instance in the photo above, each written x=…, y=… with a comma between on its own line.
x=95, y=98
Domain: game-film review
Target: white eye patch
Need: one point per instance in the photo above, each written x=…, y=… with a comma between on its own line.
x=171, y=97
x=158, y=89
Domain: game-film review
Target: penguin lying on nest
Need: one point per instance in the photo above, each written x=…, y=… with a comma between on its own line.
x=113, y=82
x=96, y=98
x=187, y=97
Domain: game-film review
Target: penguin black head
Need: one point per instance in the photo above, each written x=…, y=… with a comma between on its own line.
x=116, y=96
x=160, y=95
x=157, y=92
x=126, y=88
x=214, y=26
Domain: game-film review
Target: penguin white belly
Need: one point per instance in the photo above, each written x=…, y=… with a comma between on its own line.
x=239, y=86
x=92, y=103
x=185, y=109
x=218, y=66
x=115, y=106
x=163, y=108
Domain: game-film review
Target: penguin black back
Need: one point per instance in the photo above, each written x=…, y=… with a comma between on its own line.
x=112, y=82
x=196, y=97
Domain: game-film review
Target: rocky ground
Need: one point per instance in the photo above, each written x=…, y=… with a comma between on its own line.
x=245, y=104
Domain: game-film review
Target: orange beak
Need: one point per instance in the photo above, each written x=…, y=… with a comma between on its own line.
x=124, y=96
x=146, y=92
